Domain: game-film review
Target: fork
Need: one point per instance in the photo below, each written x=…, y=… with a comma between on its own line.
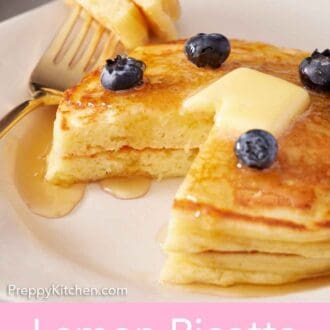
x=70, y=56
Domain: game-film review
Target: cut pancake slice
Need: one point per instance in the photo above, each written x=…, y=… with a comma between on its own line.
x=155, y=163
x=95, y=127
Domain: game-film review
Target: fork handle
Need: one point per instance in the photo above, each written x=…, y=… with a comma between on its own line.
x=42, y=97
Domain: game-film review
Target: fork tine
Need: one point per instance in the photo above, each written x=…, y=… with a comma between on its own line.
x=110, y=46
x=108, y=50
x=90, y=50
x=74, y=48
x=63, y=34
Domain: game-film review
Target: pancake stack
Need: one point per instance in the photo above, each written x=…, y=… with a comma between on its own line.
x=229, y=225
x=234, y=225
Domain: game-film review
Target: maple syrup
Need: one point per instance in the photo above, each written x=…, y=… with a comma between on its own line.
x=42, y=197
x=126, y=188
x=162, y=234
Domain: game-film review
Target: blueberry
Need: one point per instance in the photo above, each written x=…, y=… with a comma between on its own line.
x=257, y=149
x=122, y=73
x=208, y=50
x=315, y=71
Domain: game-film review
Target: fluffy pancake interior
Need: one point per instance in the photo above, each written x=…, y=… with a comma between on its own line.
x=155, y=163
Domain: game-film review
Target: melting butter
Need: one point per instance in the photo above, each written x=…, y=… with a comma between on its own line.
x=246, y=99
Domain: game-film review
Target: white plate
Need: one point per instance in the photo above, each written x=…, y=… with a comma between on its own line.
x=107, y=242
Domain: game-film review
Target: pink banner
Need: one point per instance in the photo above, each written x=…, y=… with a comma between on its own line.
x=165, y=316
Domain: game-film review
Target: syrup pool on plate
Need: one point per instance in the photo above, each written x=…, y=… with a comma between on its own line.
x=42, y=197
x=162, y=234
x=53, y=201
x=126, y=188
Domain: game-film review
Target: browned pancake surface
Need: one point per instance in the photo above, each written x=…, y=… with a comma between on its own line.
x=170, y=77
x=295, y=192
x=299, y=182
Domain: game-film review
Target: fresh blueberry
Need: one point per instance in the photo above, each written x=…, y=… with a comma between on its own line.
x=208, y=50
x=122, y=73
x=315, y=71
x=257, y=149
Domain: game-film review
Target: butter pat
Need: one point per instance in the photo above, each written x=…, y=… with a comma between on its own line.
x=248, y=99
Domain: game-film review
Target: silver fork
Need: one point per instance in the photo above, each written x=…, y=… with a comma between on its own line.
x=71, y=55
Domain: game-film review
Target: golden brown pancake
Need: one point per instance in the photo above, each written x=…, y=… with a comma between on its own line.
x=92, y=121
x=224, y=208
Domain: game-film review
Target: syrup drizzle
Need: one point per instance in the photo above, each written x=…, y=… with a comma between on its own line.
x=53, y=201
x=162, y=234
x=42, y=197
x=126, y=188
